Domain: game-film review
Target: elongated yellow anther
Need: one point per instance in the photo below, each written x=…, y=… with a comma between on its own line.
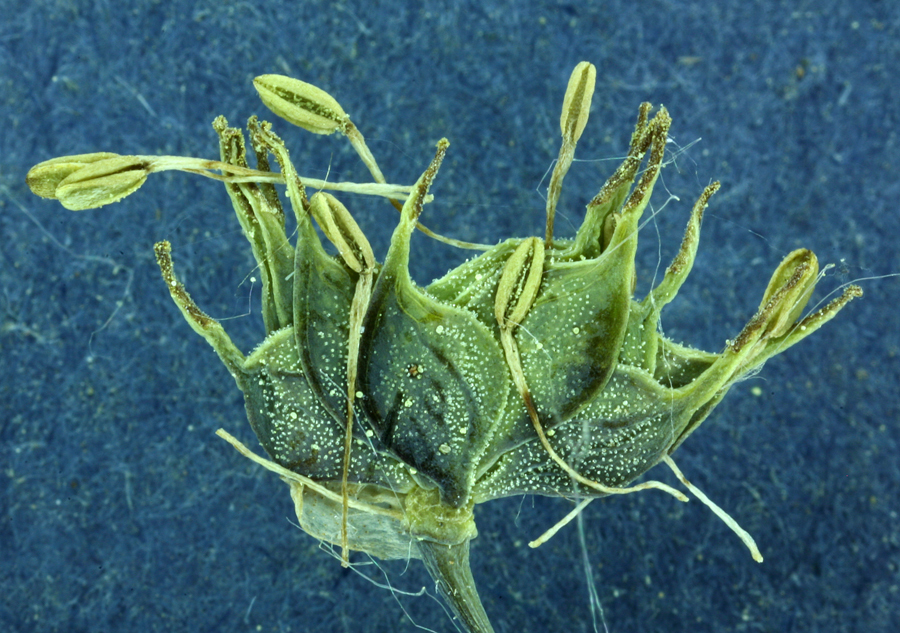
x=44, y=178
x=795, y=279
x=342, y=230
x=575, y=111
x=301, y=104
x=577, y=102
x=102, y=182
x=519, y=283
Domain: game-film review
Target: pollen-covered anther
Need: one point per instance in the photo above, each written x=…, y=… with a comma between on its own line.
x=577, y=101
x=44, y=178
x=519, y=283
x=786, y=296
x=342, y=230
x=97, y=183
x=789, y=290
x=301, y=104
x=575, y=112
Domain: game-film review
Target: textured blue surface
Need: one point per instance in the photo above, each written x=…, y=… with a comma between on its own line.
x=121, y=511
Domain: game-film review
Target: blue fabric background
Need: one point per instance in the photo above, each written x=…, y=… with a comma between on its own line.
x=121, y=511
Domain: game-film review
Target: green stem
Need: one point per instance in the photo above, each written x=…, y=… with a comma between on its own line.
x=449, y=566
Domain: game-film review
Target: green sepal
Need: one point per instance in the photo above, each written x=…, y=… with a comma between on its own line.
x=429, y=370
